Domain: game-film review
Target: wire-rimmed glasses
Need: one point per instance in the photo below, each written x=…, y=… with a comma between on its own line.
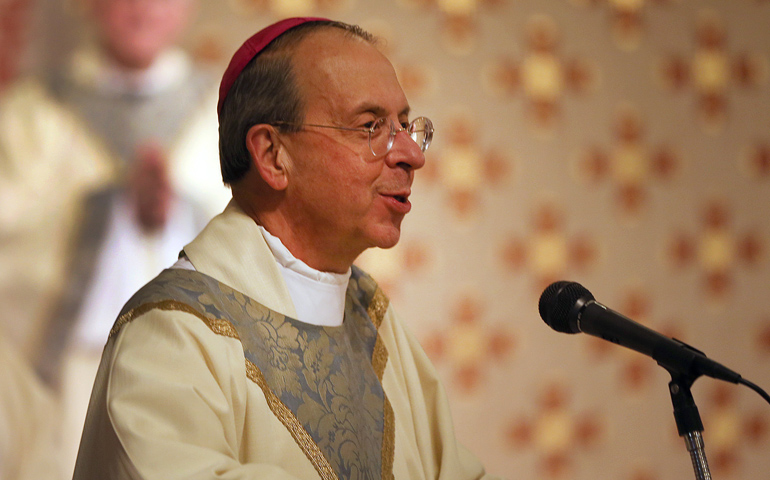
x=383, y=131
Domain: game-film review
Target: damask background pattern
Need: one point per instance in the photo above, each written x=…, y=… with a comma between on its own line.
x=623, y=144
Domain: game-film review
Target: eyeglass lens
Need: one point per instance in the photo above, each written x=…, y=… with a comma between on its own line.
x=421, y=131
x=383, y=133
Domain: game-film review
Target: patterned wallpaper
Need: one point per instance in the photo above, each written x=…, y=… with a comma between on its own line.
x=623, y=144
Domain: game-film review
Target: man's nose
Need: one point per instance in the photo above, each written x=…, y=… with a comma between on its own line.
x=405, y=153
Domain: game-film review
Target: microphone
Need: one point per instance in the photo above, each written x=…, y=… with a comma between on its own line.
x=568, y=307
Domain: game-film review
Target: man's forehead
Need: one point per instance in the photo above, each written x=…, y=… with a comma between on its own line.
x=341, y=69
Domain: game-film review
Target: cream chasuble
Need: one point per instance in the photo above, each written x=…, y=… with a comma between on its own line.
x=206, y=375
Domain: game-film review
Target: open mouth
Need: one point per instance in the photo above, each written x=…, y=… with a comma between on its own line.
x=399, y=201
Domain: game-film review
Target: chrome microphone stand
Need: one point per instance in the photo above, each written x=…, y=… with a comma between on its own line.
x=688, y=422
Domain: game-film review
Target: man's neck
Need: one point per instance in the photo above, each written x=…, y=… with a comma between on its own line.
x=310, y=250
x=287, y=259
x=307, y=248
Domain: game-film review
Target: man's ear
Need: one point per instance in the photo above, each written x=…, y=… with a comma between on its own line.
x=267, y=155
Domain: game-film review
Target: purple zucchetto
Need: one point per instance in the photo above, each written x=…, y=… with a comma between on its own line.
x=252, y=47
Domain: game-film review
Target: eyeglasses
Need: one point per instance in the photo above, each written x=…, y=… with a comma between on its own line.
x=382, y=133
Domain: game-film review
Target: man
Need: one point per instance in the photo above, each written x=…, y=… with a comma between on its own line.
x=265, y=353
x=97, y=164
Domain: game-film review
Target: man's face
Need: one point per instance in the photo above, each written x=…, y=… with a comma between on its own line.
x=135, y=32
x=343, y=198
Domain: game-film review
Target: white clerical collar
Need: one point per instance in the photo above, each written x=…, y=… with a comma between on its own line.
x=91, y=67
x=318, y=297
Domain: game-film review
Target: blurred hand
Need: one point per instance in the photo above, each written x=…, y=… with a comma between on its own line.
x=149, y=187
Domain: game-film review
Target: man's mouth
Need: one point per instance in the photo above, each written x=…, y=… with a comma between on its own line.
x=399, y=201
x=401, y=196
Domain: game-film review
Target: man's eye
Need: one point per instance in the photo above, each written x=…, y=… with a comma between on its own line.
x=405, y=125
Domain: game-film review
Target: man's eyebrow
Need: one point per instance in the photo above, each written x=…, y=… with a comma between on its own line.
x=380, y=111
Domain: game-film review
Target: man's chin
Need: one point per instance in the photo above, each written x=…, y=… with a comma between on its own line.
x=389, y=239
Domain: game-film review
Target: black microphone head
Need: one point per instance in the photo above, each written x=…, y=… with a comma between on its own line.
x=558, y=304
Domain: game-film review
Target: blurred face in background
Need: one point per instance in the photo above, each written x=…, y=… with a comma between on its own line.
x=136, y=32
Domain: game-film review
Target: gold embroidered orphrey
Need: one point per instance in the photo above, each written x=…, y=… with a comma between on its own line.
x=323, y=383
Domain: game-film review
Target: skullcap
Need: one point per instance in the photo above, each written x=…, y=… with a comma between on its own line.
x=252, y=47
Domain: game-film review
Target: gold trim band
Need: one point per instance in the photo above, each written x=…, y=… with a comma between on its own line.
x=287, y=418
x=377, y=309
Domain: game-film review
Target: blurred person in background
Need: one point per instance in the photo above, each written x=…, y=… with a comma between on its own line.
x=98, y=161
